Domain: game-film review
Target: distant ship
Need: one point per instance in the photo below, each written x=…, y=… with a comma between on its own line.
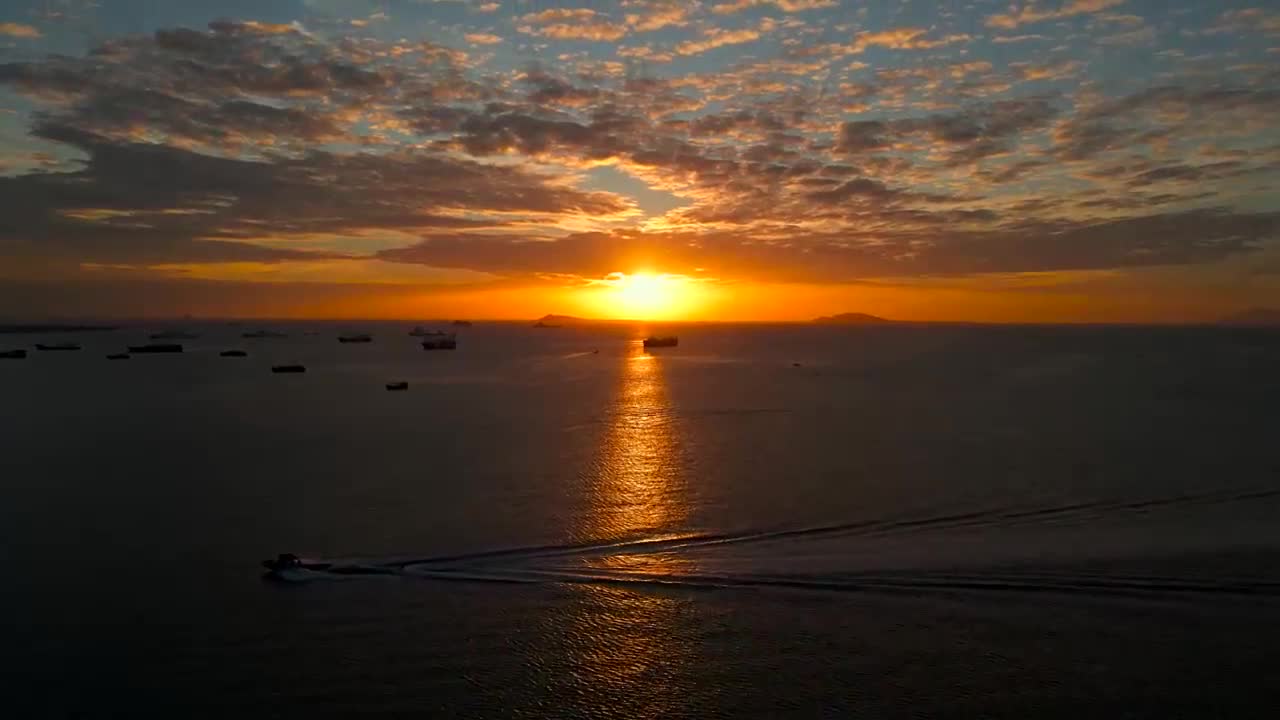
x=233, y=353
x=361, y=338
x=52, y=328
x=657, y=342
x=398, y=385
x=118, y=356
x=57, y=346
x=541, y=324
x=264, y=334
x=288, y=368
x=462, y=323
x=155, y=348
x=420, y=331
x=173, y=335
x=442, y=342
x=13, y=354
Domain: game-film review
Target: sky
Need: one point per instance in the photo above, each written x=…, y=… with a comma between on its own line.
x=1005, y=161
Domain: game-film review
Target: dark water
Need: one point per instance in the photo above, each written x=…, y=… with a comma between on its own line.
x=915, y=521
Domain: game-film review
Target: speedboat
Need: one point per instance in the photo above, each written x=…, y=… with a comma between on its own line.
x=361, y=338
x=173, y=335
x=291, y=568
x=13, y=354
x=289, y=561
x=50, y=347
x=656, y=342
x=155, y=348
x=442, y=342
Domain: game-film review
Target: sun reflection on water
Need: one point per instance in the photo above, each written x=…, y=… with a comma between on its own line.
x=639, y=489
x=629, y=650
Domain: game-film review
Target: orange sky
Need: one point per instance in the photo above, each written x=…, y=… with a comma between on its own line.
x=1109, y=161
x=1081, y=297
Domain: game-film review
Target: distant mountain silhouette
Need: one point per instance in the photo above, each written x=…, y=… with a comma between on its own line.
x=1253, y=316
x=555, y=321
x=850, y=319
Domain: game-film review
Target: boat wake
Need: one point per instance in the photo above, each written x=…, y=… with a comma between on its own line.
x=751, y=559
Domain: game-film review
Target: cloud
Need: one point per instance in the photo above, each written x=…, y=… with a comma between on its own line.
x=800, y=5
x=208, y=89
x=1008, y=39
x=141, y=203
x=483, y=38
x=253, y=27
x=547, y=89
x=1247, y=20
x=903, y=38
x=1120, y=19
x=1053, y=70
x=965, y=137
x=862, y=135
x=571, y=24
x=715, y=37
x=645, y=52
x=1136, y=241
x=1160, y=114
x=243, y=143
x=1032, y=12
x=790, y=6
x=658, y=14
x=223, y=146
x=19, y=30
x=1133, y=38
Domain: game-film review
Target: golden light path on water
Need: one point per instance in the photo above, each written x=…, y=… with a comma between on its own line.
x=639, y=488
x=629, y=648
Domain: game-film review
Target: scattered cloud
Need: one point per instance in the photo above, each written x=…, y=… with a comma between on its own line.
x=572, y=24
x=1247, y=20
x=715, y=37
x=18, y=30
x=1030, y=71
x=1033, y=12
x=789, y=6
x=1008, y=39
x=483, y=38
x=903, y=38
x=645, y=52
x=1173, y=239
x=248, y=144
x=650, y=15
x=1133, y=38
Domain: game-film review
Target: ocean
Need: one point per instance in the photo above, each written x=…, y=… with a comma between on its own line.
x=765, y=521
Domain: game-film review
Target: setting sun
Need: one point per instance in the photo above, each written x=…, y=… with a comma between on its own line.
x=646, y=296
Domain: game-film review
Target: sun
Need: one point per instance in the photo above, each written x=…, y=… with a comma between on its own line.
x=645, y=296
x=644, y=293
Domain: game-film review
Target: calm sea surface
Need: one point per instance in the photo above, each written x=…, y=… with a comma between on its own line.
x=764, y=521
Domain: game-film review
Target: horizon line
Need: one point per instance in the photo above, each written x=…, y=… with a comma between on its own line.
x=128, y=320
